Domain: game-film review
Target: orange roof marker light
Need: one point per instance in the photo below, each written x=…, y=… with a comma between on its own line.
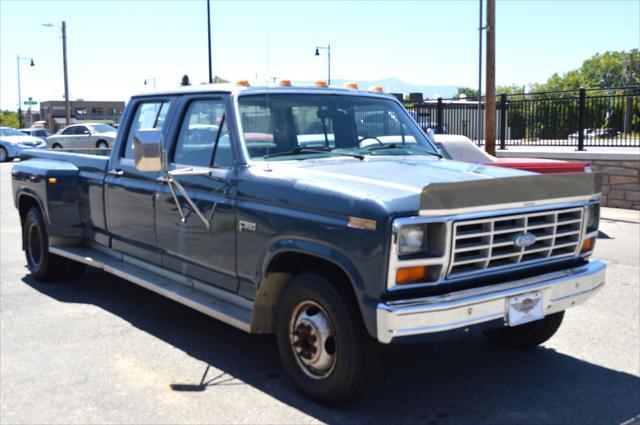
x=285, y=83
x=320, y=83
x=377, y=89
x=353, y=86
x=244, y=83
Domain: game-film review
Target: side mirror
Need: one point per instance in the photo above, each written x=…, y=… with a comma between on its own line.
x=87, y=132
x=147, y=150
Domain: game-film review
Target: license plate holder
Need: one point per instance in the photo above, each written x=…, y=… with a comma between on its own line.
x=525, y=308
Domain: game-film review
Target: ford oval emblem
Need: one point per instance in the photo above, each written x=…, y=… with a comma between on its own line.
x=524, y=240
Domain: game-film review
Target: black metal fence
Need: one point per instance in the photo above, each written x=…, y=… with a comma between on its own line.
x=580, y=118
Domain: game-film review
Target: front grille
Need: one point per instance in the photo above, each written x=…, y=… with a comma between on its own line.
x=489, y=244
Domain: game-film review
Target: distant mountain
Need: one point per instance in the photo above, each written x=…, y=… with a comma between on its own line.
x=395, y=85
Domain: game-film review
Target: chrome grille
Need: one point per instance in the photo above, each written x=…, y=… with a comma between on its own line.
x=489, y=243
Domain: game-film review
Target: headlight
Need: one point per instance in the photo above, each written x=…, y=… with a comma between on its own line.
x=411, y=239
x=593, y=217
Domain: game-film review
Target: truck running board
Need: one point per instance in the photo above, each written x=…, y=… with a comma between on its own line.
x=129, y=269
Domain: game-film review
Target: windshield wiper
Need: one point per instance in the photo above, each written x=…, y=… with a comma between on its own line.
x=403, y=146
x=300, y=150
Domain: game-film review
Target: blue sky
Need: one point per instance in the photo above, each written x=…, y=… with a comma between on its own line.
x=114, y=45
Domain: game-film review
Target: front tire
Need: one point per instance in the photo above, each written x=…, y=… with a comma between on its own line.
x=529, y=335
x=4, y=155
x=323, y=344
x=42, y=264
x=102, y=144
x=56, y=146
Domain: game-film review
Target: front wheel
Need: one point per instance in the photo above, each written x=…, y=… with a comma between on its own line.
x=4, y=156
x=102, y=145
x=528, y=335
x=323, y=344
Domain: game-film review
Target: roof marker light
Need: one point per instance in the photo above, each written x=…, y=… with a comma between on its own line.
x=377, y=89
x=285, y=83
x=320, y=83
x=353, y=86
x=244, y=83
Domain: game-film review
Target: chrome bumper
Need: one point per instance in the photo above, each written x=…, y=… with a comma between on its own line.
x=560, y=290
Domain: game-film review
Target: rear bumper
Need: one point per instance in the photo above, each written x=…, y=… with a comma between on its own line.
x=560, y=290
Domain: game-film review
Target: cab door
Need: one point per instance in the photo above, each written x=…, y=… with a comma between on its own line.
x=129, y=193
x=200, y=243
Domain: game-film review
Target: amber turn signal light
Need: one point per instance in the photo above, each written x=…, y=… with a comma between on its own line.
x=587, y=245
x=408, y=275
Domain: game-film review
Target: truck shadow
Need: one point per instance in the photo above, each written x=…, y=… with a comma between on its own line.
x=465, y=380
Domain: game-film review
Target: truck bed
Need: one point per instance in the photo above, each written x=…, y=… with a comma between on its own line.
x=76, y=207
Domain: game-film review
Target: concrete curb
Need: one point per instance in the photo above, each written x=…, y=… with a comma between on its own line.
x=619, y=214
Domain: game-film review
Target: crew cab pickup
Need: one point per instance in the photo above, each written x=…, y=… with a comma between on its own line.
x=283, y=210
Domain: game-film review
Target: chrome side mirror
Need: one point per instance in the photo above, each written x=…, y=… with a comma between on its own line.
x=147, y=150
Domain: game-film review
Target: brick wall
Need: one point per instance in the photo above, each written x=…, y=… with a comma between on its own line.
x=621, y=182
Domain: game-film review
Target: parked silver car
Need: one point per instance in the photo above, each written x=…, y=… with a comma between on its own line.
x=85, y=135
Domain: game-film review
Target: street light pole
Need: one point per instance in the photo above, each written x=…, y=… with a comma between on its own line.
x=328, y=49
x=153, y=80
x=209, y=41
x=19, y=91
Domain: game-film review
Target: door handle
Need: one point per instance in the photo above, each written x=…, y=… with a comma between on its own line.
x=116, y=172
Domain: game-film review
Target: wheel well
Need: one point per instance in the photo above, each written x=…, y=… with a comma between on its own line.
x=25, y=203
x=279, y=273
x=56, y=144
x=101, y=141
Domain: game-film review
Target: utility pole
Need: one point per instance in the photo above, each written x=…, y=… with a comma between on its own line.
x=209, y=40
x=67, y=103
x=479, y=109
x=490, y=84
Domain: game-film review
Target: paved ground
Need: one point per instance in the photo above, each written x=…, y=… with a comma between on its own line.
x=104, y=351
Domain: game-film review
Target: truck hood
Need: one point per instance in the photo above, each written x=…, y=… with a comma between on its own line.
x=390, y=184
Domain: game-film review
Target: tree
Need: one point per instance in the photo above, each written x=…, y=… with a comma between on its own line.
x=9, y=119
x=185, y=81
x=608, y=69
x=468, y=92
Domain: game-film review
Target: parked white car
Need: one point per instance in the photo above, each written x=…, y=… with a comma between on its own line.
x=13, y=142
x=85, y=135
x=41, y=133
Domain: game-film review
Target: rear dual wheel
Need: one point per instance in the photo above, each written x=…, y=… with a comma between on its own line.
x=43, y=265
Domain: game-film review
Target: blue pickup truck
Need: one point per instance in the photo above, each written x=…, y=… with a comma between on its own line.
x=325, y=216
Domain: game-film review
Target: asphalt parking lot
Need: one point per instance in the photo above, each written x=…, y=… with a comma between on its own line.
x=101, y=350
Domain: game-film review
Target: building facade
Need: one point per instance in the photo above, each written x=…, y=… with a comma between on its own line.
x=53, y=112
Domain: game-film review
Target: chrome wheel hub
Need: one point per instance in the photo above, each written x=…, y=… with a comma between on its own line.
x=313, y=340
x=3, y=155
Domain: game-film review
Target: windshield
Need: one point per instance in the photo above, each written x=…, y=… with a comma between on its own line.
x=102, y=128
x=6, y=132
x=301, y=126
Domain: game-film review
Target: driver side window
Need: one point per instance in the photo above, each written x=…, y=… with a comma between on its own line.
x=204, y=134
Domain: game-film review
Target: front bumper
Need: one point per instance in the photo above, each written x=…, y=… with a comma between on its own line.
x=560, y=290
